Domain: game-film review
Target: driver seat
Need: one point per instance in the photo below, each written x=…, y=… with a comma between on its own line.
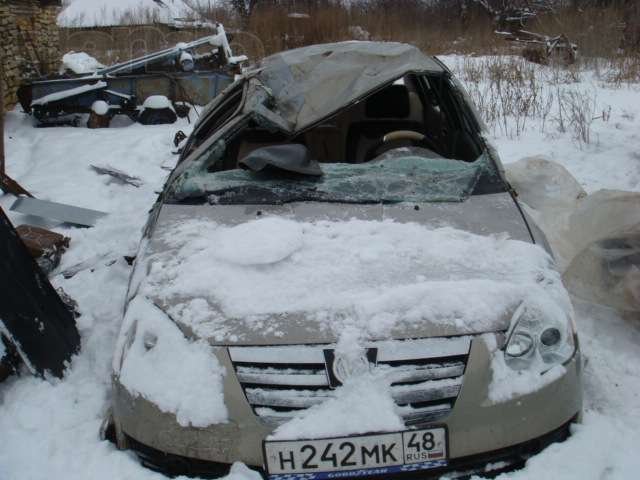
x=393, y=108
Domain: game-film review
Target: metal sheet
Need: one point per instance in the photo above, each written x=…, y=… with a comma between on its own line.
x=83, y=217
x=118, y=175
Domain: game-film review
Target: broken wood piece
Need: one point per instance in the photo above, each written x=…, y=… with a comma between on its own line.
x=119, y=175
x=44, y=245
x=106, y=259
x=82, y=217
x=9, y=185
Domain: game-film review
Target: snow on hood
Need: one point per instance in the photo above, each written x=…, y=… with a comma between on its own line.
x=279, y=278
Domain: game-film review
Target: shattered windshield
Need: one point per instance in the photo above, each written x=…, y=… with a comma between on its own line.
x=402, y=175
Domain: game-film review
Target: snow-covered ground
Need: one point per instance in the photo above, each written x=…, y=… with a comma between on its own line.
x=49, y=429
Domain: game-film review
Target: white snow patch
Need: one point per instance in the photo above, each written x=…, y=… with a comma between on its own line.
x=157, y=102
x=80, y=62
x=262, y=242
x=363, y=404
x=100, y=107
x=71, y=92
x=179, y=376
x=507, y=383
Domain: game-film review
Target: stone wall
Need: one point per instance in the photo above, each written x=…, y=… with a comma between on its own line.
x=30, y=42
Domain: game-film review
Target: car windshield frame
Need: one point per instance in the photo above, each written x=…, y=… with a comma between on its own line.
x=205, y=159
x=400, y=175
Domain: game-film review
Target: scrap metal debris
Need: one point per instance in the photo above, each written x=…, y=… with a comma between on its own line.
x=511, y=20
x=543, y=49
x=82, y=217
x=34, y=321
x=118, y=175
x=189, y=73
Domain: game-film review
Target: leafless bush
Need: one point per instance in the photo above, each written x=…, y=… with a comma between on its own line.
x=621, y=71
x=513, y=95
x=507, y=92
x=576, y=113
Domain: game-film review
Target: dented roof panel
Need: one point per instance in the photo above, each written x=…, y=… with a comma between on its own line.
x=311, y=83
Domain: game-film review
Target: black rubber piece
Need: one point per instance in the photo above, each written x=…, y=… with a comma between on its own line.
x=157, y=116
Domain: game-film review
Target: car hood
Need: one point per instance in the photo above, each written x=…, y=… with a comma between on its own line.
x=265, y=275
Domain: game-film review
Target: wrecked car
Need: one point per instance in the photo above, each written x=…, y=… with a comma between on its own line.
x=337, y=281
x=151, y=89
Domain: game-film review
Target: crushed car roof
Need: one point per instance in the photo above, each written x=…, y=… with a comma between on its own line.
x=311, y=83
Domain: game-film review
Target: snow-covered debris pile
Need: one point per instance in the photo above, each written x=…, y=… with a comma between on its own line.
x=378, y=276
x=101, y=13
x=80, y=63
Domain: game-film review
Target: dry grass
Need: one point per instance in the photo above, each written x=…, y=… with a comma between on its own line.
x=439, y=28
x=606, y=32
x=514, y=95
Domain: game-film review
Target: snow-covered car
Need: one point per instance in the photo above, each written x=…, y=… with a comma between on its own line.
x=337, y=281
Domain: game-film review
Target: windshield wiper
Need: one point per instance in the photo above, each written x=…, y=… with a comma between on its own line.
x=258, y=195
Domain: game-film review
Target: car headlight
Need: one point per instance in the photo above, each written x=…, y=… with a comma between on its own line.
x=537, y=340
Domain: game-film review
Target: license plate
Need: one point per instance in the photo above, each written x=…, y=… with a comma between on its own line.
x=358, y=456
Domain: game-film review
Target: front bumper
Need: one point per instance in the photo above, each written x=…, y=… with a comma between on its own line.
x=488, y=464
x=479, y=431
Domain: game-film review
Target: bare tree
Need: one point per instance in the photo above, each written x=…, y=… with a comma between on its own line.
x=244, y=8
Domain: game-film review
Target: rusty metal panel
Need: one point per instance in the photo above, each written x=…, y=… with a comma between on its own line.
x=201, y=89
x=153, y=85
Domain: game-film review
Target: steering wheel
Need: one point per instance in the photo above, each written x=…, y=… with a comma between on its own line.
x=396, y=139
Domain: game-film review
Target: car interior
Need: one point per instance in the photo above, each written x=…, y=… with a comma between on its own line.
x=416, y=110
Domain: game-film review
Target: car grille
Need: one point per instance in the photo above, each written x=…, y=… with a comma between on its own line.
x=426, y=377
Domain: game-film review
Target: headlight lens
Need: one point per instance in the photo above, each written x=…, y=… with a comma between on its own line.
x=537, y=341
x=520, y=345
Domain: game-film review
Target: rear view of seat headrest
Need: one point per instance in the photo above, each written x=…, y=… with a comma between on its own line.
x=392, y=102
